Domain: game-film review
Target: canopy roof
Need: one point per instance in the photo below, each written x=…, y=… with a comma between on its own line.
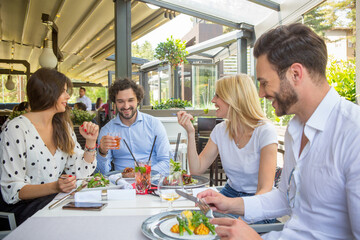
x=86, y=27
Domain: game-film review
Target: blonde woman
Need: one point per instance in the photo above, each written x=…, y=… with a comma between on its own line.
x=246, y=140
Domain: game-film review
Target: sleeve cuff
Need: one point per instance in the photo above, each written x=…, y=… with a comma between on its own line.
x=252, y=209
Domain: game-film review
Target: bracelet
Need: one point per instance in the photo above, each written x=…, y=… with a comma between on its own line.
x=102, y=152
x=89, y=147
x=86, y=149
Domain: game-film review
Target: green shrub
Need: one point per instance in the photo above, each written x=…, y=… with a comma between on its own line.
x=171, y=103
x=15, y=114
x=341, y=75
x=79, y=116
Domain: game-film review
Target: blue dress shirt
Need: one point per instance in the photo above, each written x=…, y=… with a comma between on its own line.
x=140, y=137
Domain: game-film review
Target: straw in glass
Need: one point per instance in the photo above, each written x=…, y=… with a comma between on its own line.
x=152, y=148
x=177, y=146
x=131, y=153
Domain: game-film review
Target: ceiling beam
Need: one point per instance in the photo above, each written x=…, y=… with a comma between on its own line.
x=267, y=3
x=71, y=35
x=25, y=20
x=193, y=13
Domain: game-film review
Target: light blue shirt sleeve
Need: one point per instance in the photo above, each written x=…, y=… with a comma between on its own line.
x=104, y=163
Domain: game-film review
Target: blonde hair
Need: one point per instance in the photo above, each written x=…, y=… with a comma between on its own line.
x=240, y=93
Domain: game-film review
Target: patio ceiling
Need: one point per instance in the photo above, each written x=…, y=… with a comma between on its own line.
x=85, y=33
x=86, y=27
x=267, y=15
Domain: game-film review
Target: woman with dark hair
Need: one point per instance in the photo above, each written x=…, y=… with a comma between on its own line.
x=99, y=104
x=40, y=154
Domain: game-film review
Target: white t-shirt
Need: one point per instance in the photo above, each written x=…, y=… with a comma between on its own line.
x=242, y=165
x=25, y=159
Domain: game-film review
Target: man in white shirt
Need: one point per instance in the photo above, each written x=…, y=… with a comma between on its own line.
x=84, y=99
x=320, y=182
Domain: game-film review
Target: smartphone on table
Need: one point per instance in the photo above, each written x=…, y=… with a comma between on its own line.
x=84, y=206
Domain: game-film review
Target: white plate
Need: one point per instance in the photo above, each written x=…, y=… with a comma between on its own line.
x=167, y=225
x=111, y=186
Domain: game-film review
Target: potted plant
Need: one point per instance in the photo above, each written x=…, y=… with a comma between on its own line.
x=172, y=51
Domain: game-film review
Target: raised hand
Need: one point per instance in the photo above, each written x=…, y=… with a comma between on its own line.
x=107, y=142
x=89, y=130
x=184, y=119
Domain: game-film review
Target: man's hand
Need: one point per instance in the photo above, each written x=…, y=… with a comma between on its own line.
x=232, y=229
x=220, y=203
x=107, y=142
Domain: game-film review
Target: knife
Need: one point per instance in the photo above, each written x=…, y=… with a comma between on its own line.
x=187, y=196
x=54, y=205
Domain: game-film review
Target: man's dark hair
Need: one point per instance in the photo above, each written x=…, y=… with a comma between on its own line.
x=294, y=43
x=123, y=84
x=83, y=89
x=80, y=105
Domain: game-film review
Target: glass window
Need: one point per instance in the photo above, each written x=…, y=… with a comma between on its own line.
x=204, y=77
x=164, y=83
x=154, y=89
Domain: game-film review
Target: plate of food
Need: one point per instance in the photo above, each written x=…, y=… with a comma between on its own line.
x=189, y=181
x=127, y=174
x=98, y=182
x=194, y=225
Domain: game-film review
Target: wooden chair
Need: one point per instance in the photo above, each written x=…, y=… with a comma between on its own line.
x=205, y=126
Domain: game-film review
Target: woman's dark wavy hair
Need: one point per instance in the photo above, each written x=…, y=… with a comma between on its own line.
x=123, y=84
x=294, y=43
x=43, y=89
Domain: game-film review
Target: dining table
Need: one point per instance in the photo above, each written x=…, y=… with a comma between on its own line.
x=120, y=219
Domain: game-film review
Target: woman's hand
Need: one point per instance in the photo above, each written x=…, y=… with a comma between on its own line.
x=184, y=119
x=89, y=131
x=66, y=183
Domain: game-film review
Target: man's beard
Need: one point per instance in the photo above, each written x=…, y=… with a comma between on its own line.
x=285, y=98
x=133, y=112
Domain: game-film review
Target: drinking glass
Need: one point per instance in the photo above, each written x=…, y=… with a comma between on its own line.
x=117, y=139
x=142, y=176
x=167, y=186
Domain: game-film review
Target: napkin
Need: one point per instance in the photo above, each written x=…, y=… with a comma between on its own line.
x=112, y=194
x=117, y=180
x=124, y=194
x=88, y=196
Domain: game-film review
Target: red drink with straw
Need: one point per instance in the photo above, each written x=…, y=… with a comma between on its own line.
x=142, y=176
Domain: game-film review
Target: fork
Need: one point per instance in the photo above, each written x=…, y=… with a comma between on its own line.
x=205, y=209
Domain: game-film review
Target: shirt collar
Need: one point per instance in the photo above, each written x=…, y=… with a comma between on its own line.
x=321, y=115
x=139, y=118
x=318, y=119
